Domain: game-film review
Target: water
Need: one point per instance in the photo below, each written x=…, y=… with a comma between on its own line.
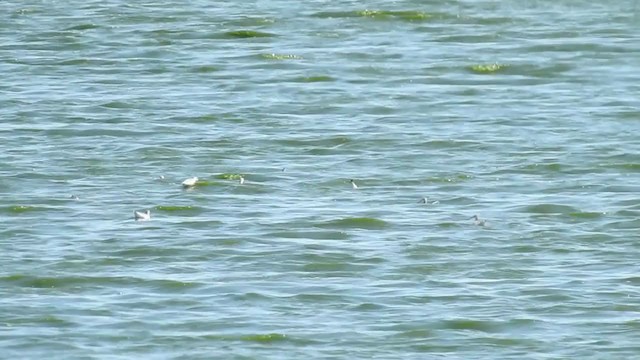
x=524, y=113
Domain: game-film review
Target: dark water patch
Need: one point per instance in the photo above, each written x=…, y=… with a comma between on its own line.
x=246, y=34
x=415, y=334
x=313, y=79
x=448, y=225
x=317, y=142
x=204, y=69
x=368, y=307
x=264, y=338
x=543, y=168
x=453, y=144
x=328, y=267
x=628, y=167
x=628, y=213
x=541, y=71
x=586, y=215
x=525, y=249
x=468, y=324
x=550, y=209
x=626, y=225
x=145, y=251
x=116, y=133
x=82, y=27
x=77, y=282
x=44, y=320
x=250, y=21
x=314, y=235
x=399, y=15
x=366, y=223
x=314, y=298
x=568, y=46
x=84, y=61
x=116, y=105
x=273, y=56
x=467, y=38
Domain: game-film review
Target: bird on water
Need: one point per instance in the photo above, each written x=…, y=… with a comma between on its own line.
x=353, y=184
x=190, y=182
x=478, y=221
x=142, y=216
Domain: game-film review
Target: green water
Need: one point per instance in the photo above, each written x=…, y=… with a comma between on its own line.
x=523, y=113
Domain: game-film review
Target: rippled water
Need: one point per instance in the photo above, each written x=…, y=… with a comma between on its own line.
x=523, y=113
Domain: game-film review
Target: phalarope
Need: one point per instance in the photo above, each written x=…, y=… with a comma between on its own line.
x=142, y=216
x=190, y=182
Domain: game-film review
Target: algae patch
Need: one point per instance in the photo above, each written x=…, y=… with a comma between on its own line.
x=487, y=68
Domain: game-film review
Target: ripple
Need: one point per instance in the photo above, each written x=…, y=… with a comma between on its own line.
x=550, y=209
x=273, y=56
x=315, y=78
x=73, y=282
x=246, y=34
x=403, y=15
x=355, y=223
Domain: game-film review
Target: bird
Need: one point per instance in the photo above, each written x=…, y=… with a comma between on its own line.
x=142, y=216
x=353, y=184
x=190, y=182
x=425, y=200
x=241, y=180
x=478, y=221
x=74, y=197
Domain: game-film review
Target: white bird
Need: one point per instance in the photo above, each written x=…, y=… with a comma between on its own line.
x=353, y=184
x=425, y=200
x=190, y=182
x=241, y=180
x=142, y=216
x=478, y=221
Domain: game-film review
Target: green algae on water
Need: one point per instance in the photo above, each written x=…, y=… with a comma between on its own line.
x=403, y=15
x=18, y=209
x=487, y=68
x=227, y=176
x=174, y=208
x=316, y=78
x=243, y=34
x=355, y=223
x=264, y=338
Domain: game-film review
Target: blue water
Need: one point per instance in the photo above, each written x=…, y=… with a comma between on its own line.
x=525, y=114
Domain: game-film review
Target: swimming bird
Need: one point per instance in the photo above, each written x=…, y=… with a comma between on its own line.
x=425, y=200
x=142, y=216
x=241, y=180
x=478, y=221
x=353, y=184
x=190, y=182
x=74, y=197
